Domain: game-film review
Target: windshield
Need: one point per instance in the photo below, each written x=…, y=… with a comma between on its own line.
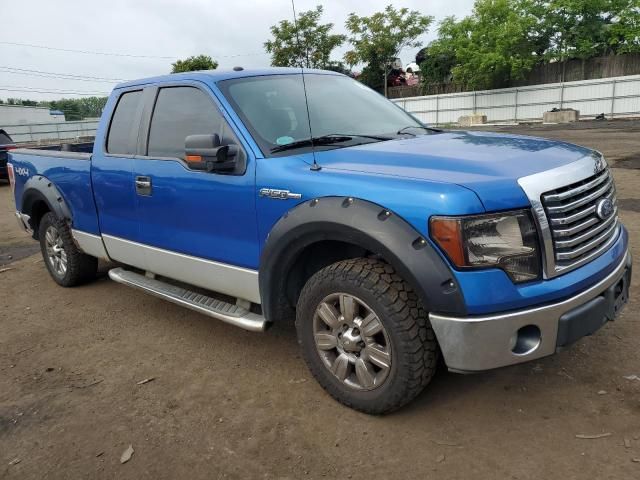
x=273, y=108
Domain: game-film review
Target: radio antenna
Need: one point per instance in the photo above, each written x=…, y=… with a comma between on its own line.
x=295, y=24
x=315, y=167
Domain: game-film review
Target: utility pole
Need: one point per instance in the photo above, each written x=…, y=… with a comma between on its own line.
x=385, y=79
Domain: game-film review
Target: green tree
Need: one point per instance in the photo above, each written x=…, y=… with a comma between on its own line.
x=29, y=103
x=194, y=63
x=92, y=106
x=20, y=101
x=503, y=39
x=373, y=75
x=309, y=45
x=73, y=108
x=69, y=106
x=586, y=28
x=624, y=35
x=436, y=62
x=492, y=46
x=378, y=39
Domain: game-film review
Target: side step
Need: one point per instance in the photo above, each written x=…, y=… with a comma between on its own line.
x=227, y=312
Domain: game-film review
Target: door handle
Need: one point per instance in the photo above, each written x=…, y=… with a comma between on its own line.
x=143, y=185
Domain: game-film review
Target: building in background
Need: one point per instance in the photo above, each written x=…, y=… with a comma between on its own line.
x=21, y=115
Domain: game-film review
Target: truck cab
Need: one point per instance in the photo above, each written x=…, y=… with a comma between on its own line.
x=261, y=196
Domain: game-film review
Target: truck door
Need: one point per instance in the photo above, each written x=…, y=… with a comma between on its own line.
x=197, y=226
x=112, y=173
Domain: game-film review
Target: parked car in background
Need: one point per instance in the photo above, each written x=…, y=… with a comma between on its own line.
x=277, y=196
x=6, y=144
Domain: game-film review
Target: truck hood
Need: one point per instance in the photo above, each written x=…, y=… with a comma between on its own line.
x=490, y=164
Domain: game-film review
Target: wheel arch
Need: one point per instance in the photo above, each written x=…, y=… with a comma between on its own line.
x=322, y=231
x=39, y=197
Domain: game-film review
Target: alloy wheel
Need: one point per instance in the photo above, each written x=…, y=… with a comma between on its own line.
x=56, y=255
x=352, y=341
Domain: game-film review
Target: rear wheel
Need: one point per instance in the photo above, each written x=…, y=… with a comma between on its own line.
x=365, y=336
x=67, y=265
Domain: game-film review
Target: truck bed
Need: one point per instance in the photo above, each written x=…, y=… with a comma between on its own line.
x=69, y=171
x=77, y=147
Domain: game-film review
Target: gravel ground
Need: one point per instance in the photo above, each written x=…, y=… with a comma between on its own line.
x=225, y=403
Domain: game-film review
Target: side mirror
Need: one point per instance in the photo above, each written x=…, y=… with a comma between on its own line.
x=204, y=152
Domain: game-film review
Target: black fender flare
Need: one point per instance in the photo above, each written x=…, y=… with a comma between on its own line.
x=361, y=223
x=39, y=188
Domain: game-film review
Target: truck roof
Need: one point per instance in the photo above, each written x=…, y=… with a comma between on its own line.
x=225, y=74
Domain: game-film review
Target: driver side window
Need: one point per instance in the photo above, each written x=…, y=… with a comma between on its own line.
x=180, y=112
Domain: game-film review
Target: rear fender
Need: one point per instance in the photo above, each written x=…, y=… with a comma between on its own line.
x=40, y=189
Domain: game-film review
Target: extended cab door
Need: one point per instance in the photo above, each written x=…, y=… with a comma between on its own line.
x=196, y=226
x=112, y=173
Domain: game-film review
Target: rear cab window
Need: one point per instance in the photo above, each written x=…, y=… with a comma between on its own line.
x=121, y=139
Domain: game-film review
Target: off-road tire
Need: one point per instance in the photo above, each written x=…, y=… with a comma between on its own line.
x=413, y=343
x=81, y=268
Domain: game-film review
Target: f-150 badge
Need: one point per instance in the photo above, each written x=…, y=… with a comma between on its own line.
x=278, y=194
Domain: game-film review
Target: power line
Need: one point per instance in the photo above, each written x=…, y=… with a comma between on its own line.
x=54, y=77
x=70, y=75
x=30, y=88
x=61, y=93
x=114, y=54
x=85, y=52
x=254, y=54
x=16, y=88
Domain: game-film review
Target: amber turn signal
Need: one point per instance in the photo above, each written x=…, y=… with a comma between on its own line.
x=193, y=158
x=447, y=232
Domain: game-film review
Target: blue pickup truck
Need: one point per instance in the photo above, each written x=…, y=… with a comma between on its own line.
x=261, y=196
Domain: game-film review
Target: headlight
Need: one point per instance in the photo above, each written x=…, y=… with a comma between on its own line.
x=505, y=240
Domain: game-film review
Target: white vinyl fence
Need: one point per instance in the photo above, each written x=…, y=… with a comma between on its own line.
x=52, y=131
x=615, y=97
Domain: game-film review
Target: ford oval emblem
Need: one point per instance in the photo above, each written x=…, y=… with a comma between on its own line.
x=604, y=208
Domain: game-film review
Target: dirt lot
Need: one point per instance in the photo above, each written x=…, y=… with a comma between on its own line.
x=230, y=404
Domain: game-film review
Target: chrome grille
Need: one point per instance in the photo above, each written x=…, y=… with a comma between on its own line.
x=578, y=233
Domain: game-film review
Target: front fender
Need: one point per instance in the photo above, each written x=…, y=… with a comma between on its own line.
x=364, y=224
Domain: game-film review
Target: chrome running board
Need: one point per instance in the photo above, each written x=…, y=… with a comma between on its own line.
x=227, y=312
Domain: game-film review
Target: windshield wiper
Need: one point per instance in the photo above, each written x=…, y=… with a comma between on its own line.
x=330, y=139
x=404, y=129
x=373, y=137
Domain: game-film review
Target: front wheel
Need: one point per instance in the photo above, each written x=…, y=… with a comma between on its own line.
x=365, y=336
x=67, y=265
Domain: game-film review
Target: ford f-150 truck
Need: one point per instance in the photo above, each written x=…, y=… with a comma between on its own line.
x=280, y=194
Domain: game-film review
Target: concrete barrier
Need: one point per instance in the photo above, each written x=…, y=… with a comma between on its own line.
x=469, y=120
x=561, y=116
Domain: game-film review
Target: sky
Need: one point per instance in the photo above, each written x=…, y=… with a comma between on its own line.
x=143, y=31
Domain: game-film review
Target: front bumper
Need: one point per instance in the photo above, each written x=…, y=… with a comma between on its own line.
x=484, y=342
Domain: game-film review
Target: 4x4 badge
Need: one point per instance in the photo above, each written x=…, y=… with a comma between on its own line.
x=279, y=194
